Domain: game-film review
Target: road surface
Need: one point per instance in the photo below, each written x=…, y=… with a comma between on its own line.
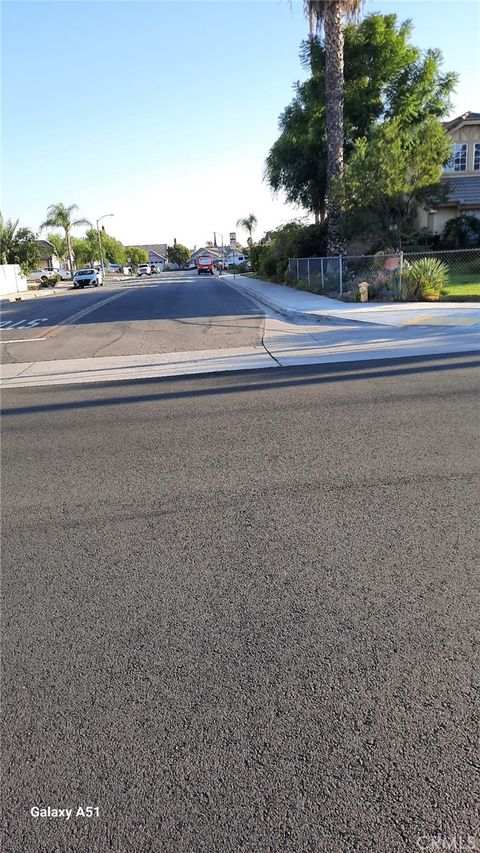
x=172, y=312
x=240, y=612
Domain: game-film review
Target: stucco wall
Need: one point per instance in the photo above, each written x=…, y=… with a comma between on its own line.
x=435, y=222
x=469, y=133
x=11, y=279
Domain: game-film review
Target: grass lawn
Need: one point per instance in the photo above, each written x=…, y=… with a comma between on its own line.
x=460, y=287
x=463, y=287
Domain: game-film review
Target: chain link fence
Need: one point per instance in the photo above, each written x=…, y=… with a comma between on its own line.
x=339, y=276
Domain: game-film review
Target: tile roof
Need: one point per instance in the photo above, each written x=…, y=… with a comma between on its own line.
x=159, y=248
x=451, y=125
x=464, y=191
x=207, y=251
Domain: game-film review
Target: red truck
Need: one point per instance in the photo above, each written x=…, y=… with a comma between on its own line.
x=205, y=264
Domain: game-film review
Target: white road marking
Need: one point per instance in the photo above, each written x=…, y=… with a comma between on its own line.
x=7, y=325
x=80, y=314
x=23, y=341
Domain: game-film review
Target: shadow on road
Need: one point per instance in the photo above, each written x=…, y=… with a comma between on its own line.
x=234, y=382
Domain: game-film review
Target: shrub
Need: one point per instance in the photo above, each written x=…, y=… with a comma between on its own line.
x=424, y=279
x=268, y=266
x=474, y=265
x=354, y=294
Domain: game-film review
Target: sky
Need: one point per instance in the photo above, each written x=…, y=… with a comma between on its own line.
x=162, y=112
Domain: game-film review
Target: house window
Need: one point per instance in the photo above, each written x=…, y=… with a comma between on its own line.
x=476, y=157
x=458, y=160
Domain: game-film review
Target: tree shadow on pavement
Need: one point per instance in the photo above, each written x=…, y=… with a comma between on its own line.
x=233, y=382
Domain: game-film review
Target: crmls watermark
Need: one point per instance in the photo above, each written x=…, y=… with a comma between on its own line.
x=454, y=843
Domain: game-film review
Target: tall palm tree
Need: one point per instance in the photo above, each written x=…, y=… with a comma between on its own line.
x=249, y=223
x=330, y=15
x=59, y=216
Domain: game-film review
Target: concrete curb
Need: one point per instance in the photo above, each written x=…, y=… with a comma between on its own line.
x=334, y=316
x=28, y=294
x=291, y=313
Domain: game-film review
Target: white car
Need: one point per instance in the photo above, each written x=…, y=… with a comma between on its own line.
x=144, y=269
x=43, y=276
x=86, y=277
x=65, y=275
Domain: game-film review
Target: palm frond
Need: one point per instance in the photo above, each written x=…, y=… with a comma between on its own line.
x=77, y=223
x=315, y=11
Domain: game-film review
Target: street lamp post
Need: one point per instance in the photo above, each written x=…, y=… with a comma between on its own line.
x=100, y=240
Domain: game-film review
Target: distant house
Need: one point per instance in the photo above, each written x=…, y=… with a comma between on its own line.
x=49, y=259
x=235, y=258
x=461, y=176
x=157, y=253
x=214, y=253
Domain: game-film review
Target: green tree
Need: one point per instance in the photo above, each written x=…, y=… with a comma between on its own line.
x=387, y=174
x=329, y=15
x=113, y=250
x=270, y=255
x=18, y=245
x=386, y=77
x=59, y=243
x=136, y=255
x=178, y=254
x=84, y=251
x=249, y=223
x=59, y=216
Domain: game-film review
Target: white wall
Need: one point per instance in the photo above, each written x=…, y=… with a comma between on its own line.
x=11, y=279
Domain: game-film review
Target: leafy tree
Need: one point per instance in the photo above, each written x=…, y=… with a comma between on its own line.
x=113, y=250
x=84, y=251
x=18, y=245
x=59, y=243
x=387, y=174
x=87, y=250
x=59, y=216
x=249, y=223
x=330, y=15
x=386, y=77
x=270, y=255
x=178, y=254
x=136, y=255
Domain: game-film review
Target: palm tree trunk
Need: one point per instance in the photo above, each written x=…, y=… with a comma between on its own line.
x=69, y=250
x=334, y=43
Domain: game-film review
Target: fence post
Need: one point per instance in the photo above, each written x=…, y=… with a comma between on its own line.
x=341, y=276
x=400, y=271
x=308, y=271
x=321, y=272
x=297, y=270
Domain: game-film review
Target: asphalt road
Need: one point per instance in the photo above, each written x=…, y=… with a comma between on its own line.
x=173, y=312
x=240, y=612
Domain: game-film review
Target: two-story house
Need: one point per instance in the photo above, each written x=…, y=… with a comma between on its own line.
x=461, y=175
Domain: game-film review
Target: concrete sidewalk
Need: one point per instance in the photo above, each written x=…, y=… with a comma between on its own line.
x=299, y=304
x=43, y=292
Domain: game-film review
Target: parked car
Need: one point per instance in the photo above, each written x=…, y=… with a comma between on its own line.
x=90, y=276
x=144, y=269
x=43, y=276
x=65, y=275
